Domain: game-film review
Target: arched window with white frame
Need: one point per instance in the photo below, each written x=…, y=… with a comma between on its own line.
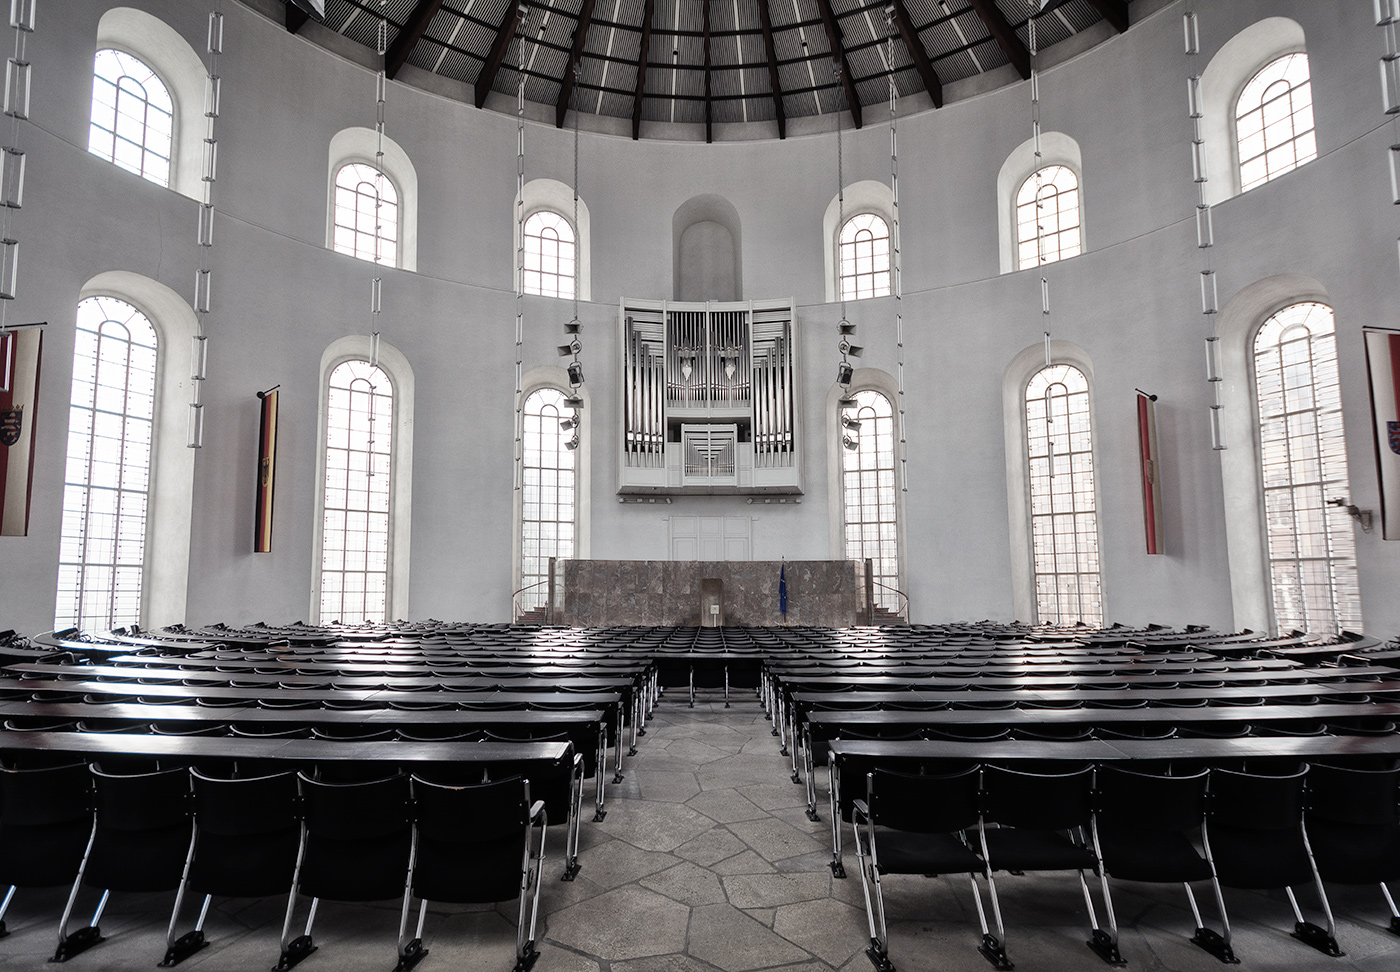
x=1274, y=121
x=548, y=508
x=869, y=494
x=132, y=116
x=1047, y=217
x=111, y=418
x=1302, y=452
x=355, y=538
x=366, y=214
x=864, y=257
x=550, y=260
x=1063, y=516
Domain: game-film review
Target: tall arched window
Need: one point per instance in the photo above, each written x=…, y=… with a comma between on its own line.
x=868, y=491
x=366, y=214
x=355, y=534
x=1064, y=521
x=548, y=501
x=1312, y=550
x=1274, y=121
x=549, y=255
x=102, y=544
x=1047, y=217
x=865, y=257
x=132, y=116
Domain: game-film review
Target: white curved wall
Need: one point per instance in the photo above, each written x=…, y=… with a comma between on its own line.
x=1130, y=302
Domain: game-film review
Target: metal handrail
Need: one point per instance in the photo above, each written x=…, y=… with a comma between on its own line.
x=903, y=610
x=515, y=607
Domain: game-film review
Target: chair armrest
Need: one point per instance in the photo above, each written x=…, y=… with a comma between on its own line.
x=858, y=806
x=537, y=814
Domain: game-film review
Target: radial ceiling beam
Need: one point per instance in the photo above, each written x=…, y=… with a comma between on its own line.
x=566, y=86
x=1015, y=51
x=1114, y=11
x=296, y=18
x=709, y=116
x=838, y=52
x=409, y=36
x=917, y=52
x=772, y=67
x=497, y=54
x=643, y=52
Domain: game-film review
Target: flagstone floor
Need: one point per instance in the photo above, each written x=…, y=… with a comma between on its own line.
x=707, y=862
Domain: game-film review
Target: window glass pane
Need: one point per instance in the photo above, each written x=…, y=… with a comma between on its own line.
x=1047, y=217
x=863, y=257
x=355, y=528
x=1274, y=121
x=1064, y=523
x=547, y=513
x=869, y=492
x=366, y=214
x=1312, y=550
x=549, y=255
x=108, y=467
x=132, y=116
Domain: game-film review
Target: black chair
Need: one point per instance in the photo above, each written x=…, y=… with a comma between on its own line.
x=140, y=841
x=1254, y=837
x=1354, y=829
x=1042, y=819
x=45, y=825
x=471, y=845
x=247, y=832
x=1143, y=824
x=915, y=825
x=355, y=846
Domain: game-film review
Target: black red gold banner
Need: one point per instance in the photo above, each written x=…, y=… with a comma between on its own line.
x=267, y=473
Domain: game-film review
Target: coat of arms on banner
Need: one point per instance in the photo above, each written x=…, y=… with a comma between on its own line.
x=1393, y=434
x=12, y=421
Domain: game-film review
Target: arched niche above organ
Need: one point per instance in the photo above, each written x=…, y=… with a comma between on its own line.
x=710, y=397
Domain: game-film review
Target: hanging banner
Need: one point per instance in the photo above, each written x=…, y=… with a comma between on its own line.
x=19, y=397
x=1151, y=481
x=267, y=473
x=1383, y=363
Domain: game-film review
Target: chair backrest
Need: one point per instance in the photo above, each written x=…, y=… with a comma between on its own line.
x=1038, y=801
x=1346, y=795
x=141, y=801
x=478, y=813
x=238, y=807
x=355, y=811
x=1149, y=801
x=49, y=795
x=936, y=804
x=1256, y=802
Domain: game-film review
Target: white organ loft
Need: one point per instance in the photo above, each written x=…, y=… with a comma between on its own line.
x=710, y=397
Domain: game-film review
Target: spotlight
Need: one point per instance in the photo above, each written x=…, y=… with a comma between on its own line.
x=851, y=444
x=845, y=403
x=854, y=350
x=574, y=402
x=569, y=423
x=573, y=347
x=572, y=444
x=844, y=373
x=850, y=423
x=573, y=327
x=846, y=327
x=575, y=374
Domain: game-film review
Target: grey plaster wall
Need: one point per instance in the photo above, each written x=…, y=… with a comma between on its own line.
x=1131, y=302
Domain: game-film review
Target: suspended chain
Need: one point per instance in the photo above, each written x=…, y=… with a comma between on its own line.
x=1037, y=149
x=376, y=291
x=573, y=330
x=1205, y=231
x=520, y=250
x=895, y=260
x=203, y=285
x=844, y=328
x=17, y=80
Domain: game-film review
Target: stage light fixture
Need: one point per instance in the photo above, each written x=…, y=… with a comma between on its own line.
x=572, y=444
x=844, y=373
x=574, y=402
x=569, y=423
x=850, y=423
x=850, y=444
x=575, y=374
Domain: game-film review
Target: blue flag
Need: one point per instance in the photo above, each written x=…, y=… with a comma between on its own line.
x=782, y=590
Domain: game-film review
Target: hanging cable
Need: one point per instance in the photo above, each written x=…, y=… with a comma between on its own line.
x=520, y=249
x=574, y=329
x=203, y=287
x=844, y=328
x=18, y=76
x=897, y=285
x=1037, y=150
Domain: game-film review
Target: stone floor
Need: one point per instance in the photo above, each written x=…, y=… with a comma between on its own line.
x=707, y=862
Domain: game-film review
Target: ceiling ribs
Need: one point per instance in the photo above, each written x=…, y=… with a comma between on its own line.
x=1005, y=36
x=1114, y=11
x=838, y=53
x=709, y=116
x=917, y=52
x=642, y=53
x=772, y=67
x=497, y=54
x=296, y=18
x=566, y=85
x=397, y=54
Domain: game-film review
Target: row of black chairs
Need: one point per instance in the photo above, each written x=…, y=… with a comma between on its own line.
x=1231, y=829
x=283, y=833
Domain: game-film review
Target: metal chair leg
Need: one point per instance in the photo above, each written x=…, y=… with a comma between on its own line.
x=84, y=938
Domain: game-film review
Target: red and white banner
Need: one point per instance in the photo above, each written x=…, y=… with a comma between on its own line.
x=1151, y=481
x=19, y=396
x=1383, y=362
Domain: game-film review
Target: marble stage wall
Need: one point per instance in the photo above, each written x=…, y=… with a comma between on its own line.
x=669, y=592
